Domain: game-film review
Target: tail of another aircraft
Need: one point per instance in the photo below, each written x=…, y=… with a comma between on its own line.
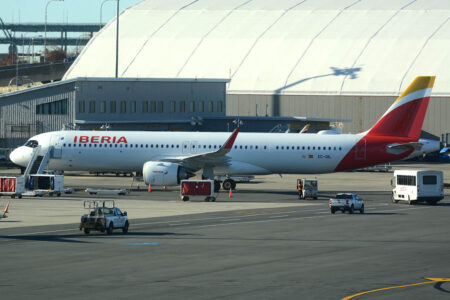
x=406, y=115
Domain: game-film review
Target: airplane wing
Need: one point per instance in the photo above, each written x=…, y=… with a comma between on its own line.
x=209, y=159
x=400, y=148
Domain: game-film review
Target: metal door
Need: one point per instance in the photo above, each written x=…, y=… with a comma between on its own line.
x=360, y=153
x=55, y=141
x=185, y=147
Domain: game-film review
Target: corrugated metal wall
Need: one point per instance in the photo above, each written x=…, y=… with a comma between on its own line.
x=364, y=111
x=18, y=115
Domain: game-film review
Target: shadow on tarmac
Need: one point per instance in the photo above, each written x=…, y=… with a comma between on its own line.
x=75, y=238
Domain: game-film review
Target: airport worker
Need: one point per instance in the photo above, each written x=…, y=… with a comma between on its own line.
x=300, y=190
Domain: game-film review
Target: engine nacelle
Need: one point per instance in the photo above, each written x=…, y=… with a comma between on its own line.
x=163, y=173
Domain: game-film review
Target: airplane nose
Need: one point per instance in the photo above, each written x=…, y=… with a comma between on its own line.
x=19, y=157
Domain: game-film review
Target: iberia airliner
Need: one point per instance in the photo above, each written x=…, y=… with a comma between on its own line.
x=167, y=157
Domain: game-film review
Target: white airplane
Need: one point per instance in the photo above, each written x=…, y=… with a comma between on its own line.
x=167, y=157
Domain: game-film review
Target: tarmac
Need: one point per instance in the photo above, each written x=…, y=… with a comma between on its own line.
x=263, y=243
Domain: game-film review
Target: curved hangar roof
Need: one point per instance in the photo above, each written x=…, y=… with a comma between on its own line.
x=279, y=46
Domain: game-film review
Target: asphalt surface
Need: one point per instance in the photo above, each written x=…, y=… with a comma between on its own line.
x=298, y=252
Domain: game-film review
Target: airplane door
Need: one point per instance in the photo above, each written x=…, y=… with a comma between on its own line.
x=360, y=153
x=194, y=147
x=185, y=147
x=55, y=141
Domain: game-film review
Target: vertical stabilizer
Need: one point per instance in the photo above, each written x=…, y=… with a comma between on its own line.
x=406, y=115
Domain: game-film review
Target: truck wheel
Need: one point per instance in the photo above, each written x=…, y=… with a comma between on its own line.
x=125, y=228
x=315, y=198
x=185, y=198
x=228, y=184
x=361, y=211
x=213, y=199
x=86, y=231
x=333, y=210
x=351, y=210
x=207, y=199
x=110, y=228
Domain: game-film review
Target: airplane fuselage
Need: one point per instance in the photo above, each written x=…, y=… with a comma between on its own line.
x=252, y=153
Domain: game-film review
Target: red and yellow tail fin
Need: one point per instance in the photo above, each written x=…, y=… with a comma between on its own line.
x=406, y=115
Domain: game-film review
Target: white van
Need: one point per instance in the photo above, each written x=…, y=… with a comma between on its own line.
x=416, y=186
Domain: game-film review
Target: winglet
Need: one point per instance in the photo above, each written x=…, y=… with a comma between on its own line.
x=229, y=143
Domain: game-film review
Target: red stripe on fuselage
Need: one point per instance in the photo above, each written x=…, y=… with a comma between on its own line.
x=375, y=152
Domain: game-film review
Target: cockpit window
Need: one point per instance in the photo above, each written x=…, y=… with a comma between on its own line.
x=31, y=143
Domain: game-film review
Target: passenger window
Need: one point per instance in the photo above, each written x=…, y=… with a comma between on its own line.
x=265, y=147
x=131, y=146
x=256, y=147
x=314, y=147
x=340, y=148
x=318, y=148
x=245, y=147
x=282, y=147
x=276, y=147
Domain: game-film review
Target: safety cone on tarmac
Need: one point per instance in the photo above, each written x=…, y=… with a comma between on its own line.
x=230, y=194
x=165, y=187
x=5, y=211
x=149, y=188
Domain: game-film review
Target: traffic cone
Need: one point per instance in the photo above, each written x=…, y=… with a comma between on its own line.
x=165, y=187
x=149, y=188
x=230, y=194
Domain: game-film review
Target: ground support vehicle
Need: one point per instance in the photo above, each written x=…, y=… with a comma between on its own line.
x=417, y=186
x=12, y=186
x=202, y=188
x=309, y=188
x=346, y=202
x=103, y=217
x=46, y=183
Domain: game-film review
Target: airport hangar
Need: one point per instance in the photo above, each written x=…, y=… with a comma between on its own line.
x=336, y=59
x=328, y=60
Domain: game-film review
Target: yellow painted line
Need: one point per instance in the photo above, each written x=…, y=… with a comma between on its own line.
x=431, y=280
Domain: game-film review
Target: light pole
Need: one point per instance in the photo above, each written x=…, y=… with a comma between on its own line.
x=101, y=10
x=117, y=40
x=45, y=28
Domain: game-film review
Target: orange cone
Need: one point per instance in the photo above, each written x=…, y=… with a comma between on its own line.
x=6, y=208
x=165, y=187
x=230, y=194
x=149, y=188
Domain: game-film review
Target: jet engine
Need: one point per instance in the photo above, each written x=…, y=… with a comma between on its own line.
x=164, y=173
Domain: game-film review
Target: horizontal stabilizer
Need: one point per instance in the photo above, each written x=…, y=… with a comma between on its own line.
x=401, y=148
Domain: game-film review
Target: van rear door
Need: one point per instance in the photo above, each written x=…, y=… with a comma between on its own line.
x=430, y=184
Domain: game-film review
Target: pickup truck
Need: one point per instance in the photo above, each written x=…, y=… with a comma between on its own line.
x=103, y=218
x=346, y=202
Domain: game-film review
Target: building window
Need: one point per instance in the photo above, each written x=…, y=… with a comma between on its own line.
x=152, y=106
x=81, y=107
x=210, y=106
x=161, y=106
x=52, y=108
x=102, y=106
x=112, y=107
x=201, y=106
x=91, y=106
x=220, y=106
x=145, y=106
x=172, y=106
x=133, y=106
x=182, y=106
x=192, y=106
x=123, y=106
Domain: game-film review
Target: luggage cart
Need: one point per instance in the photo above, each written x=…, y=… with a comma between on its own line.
x=203, y=188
